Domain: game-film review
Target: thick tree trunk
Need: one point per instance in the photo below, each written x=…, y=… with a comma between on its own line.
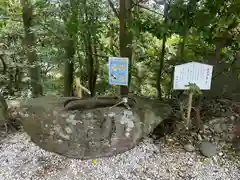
x=91, y=71
x=4, y=117
x=90, y=48
x=182, y=45
x=125, y=38
x=11, y=81
x=96, y=67
x=191, y=7
x=68, y=78
x=69, y=68
x=92, y=75
x=18, y=78
x=30, y=44
x=161, y=65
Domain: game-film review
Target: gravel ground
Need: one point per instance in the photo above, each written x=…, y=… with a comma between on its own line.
x=22, y=160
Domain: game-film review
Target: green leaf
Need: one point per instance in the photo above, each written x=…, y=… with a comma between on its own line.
x=239, y=76
x=221, y=8
x=150, y=52
x=94, y=161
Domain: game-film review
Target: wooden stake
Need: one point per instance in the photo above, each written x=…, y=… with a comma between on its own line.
x=80, y=88
x=188, y=123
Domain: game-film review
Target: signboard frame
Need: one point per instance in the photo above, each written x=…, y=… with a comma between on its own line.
x=192, y=72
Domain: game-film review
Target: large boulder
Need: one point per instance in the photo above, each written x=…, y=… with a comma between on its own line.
x=90, y=128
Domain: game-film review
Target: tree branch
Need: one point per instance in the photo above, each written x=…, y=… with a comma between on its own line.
x=113, y=8
x=45, y=27
x=146, y=8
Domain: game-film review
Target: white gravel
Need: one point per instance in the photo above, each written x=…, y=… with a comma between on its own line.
x=20, y=159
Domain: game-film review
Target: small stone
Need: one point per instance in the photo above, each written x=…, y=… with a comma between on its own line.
x=217, y=139
x=127, y=134
x=68, y=130
x=208, y=149
x=55, y=113
x=215, y=160
x=205, y=127
x=189, y=147
x=200, y=137
x=217, y=120
x=224, y=127
x=211, y=139
x=190, y=161
x=206, y=137
x=232, y=118
x=26, y=115
x=220, y=154
x=217, y=128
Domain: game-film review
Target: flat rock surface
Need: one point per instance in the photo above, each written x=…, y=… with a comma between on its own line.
x=22, y=160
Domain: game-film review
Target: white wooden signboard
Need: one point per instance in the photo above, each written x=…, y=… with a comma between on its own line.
x=193, y=72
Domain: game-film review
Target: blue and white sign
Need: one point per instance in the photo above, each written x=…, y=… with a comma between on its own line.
x=118, y=71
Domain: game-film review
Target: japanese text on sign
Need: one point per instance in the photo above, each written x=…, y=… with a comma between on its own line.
x=118, y=71
x=198, y=73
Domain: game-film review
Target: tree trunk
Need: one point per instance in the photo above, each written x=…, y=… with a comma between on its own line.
x=90, y=42
x=161, y=65
x=182, y=45
x=96, y=66
x=191, y=7
x=30, y=44
x=125, y=38
x=3, y=111
x=11, y=81
x=91, y=73
x=219, y=45
x=90, y=64
x=68, y=78
x=18, y=78
x=69, y=68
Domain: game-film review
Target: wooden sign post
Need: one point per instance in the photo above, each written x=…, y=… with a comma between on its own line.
x=194, y=73
x=118, y=74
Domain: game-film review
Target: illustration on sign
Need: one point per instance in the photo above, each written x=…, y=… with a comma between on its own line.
x=193, y=72
x=118, y=71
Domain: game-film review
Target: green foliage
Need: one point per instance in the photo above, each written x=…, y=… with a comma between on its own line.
x=193, y=88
